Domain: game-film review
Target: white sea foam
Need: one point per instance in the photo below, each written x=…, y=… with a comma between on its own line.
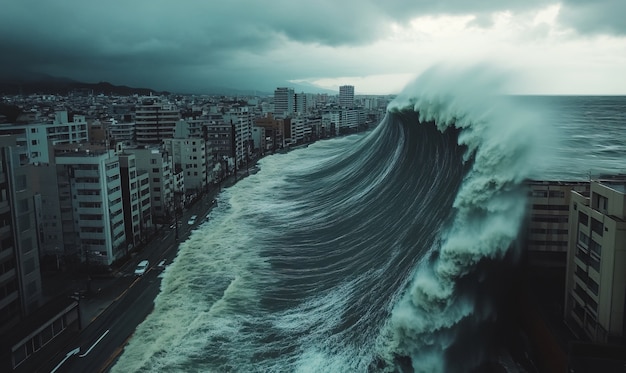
x=504, y=141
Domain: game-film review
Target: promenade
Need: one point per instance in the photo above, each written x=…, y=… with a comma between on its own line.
x=113, y=296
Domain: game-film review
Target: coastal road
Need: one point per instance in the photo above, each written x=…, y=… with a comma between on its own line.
x=116, y=325
x=103, y=339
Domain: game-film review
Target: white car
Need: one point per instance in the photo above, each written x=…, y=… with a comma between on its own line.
x=192, y=219
x=142, y=267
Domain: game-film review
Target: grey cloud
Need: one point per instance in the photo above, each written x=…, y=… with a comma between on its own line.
x=199, y=42
x=595, y=16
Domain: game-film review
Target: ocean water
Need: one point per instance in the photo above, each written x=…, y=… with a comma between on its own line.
x=366, y=253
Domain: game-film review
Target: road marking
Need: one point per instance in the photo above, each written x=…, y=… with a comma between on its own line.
x=67, y=356
x=94, y=345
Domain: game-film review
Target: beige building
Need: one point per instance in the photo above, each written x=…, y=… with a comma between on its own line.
x=548, y=226
x=596, y=261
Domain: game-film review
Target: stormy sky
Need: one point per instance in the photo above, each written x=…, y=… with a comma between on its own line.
x=567, y=47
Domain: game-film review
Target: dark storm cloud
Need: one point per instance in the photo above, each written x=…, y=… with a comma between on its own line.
x=180, y=43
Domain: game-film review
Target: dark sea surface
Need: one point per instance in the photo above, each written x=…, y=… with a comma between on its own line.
x=365, y=253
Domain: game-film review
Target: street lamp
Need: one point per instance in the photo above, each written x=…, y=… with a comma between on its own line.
x=76, y=297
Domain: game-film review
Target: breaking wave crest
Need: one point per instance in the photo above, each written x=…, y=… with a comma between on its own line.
x=502, y=143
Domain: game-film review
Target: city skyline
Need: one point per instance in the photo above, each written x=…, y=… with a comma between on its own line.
x=570, y=47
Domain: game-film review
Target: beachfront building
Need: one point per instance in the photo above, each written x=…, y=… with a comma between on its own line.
x=547, y=226
x=91, y=204
x=20, y=278
x=136, y=198
x=34, y=139
x=595, y=293
x=240, y=118
x=158, y=164
x=273, y=132
x=189, y=156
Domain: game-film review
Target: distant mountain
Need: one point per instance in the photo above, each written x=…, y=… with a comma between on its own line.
x=46, y=84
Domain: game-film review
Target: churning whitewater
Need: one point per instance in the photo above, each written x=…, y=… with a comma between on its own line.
x=350, y=255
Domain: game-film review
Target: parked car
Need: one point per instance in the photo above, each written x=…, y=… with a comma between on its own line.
x=162, y=264
x=142, y=267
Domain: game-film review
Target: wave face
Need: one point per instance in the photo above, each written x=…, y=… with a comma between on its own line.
x=356, y=254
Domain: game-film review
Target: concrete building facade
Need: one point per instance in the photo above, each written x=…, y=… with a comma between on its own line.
x=154, y=121
x=346, y=96
x=91, y=204
x=158, y=164
x=595, y=295
x=34, y=139
x=20, y=277
x=284, y=102
x=547, y=225
x=189, y=155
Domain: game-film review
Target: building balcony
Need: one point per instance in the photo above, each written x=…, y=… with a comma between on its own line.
x=7, y=276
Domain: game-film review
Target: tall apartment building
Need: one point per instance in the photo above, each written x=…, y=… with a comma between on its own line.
x=284, y=102
x=241, y=118
x=301, y=103
x=595, y=296
x=547, y=226
x=219, y=135
x=346, y=96
x=158, y=164
x=33, y=139
x=189, y=155
x=90, y=197
x=136, y=198
x=20, y=278
x=154, y=121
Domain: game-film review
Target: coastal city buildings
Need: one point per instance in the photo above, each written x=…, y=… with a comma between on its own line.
x=87, y=180
x=595, y=297
x=34, y=139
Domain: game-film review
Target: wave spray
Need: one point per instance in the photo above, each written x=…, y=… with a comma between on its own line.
x=501, y=143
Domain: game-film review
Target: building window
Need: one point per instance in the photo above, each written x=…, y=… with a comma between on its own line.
x=557, y=194
x=539, y=193
x=583, y=218
x=597, y=227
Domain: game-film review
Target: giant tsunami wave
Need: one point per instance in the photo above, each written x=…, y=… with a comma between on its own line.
x=356, y=254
